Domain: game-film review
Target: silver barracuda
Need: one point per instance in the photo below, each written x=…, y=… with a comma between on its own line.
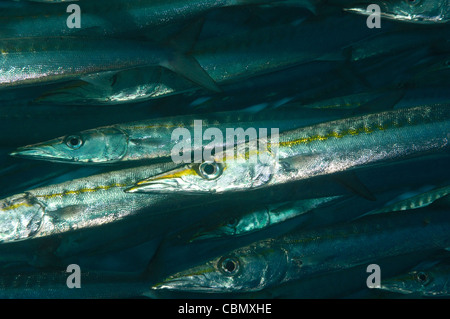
x=139, y=84
x=321, y=149
x=149, y=139
x=413, y=11
x=100, y=17
x=425, y=280
x=259, y=219
x=146, y=83
x=226, y=59
x=40, y=60
x=417, y=201
x=82, y=203
x=386, y=91
x=302, y=255
x=336, y=284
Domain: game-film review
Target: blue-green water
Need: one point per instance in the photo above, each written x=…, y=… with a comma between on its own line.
x=287, y=66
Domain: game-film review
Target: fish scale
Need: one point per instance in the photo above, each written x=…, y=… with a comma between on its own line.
x=40, y=212
x=101, y=17
x=149, y=139
x=301, y=255
x=322, y=149
x=70, y=58
x=338, y=189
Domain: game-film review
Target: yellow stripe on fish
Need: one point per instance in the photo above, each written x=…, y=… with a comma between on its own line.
x=82, y=190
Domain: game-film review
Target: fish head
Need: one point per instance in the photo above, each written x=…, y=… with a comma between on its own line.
x=104, y=145
x=417, y=11
x=413, y=282
x=250, y=268
x=20, y=217
x=208, y=177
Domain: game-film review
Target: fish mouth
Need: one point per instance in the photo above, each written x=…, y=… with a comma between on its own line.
x=45, y=153
x=162, y=186
x=182, y=282
x=31, y=152
x=188, y=284
x=175, y=284
x=396, y=289
x=200, y=278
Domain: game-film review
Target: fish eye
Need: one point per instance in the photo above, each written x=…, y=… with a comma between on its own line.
x=229, y=266
x=210, y=170
x=74, y=141
x=422, y=278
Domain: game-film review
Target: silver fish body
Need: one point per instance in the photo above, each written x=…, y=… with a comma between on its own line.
x=414, y=202
x=317, y=150
x=100, y=17
x=271, y=262
x=260, y=219
x=226, y=59
x=74, y=205
x=27, y=61
x=415, y=11
x=147, y=139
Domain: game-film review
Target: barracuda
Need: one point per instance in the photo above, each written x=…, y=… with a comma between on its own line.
x=259, y=219
x=302, y=255
x=322, y=149
x=427, y=280
x=42, y=19
x=402, y=75
x=413, y=11
x=226, y=59
x=126, y=86
x=78, y=204
x=26, y=61
x=414, y=202
x=148, y=139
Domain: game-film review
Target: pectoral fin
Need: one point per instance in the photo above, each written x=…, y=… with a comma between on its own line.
x=183, y=63
x=188, y=67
